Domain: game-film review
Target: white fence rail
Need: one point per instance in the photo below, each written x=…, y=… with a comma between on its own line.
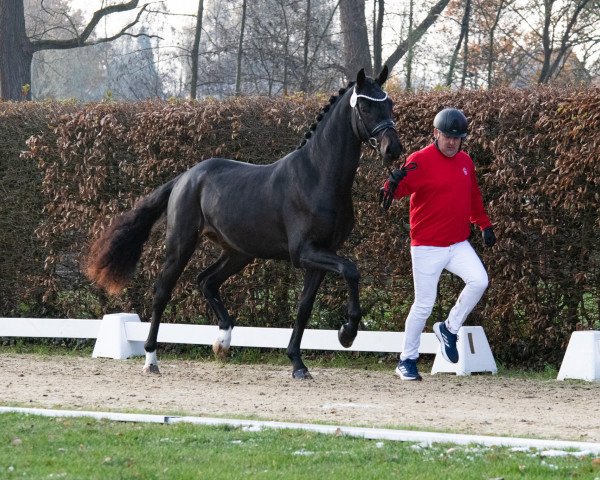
x=122, y=335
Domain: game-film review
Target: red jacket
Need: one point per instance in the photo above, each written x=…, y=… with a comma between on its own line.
x=444, y=198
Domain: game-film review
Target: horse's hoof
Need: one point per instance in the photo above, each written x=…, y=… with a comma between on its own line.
x=346, y=340
x=151, y=369
x=302, y=374
x=220, y=350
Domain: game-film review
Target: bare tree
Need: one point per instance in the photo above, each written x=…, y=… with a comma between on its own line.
x=554, y=54
x=491, y=13
x=304, y=83
x=493, y=35
x=196, y=49
x=324, y=49
x=378, y=16
x=17, y=48
x=554, y=29
x=131, y=70
x=415, y=35
x=238, y=72
x=463, y=41
x=296, y=49
x=410, y=53
x=286, y=46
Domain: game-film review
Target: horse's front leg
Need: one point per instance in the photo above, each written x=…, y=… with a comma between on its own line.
x=312, y=281
x=329, y=261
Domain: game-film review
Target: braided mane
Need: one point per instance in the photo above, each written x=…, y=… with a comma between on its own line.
x=322, y=113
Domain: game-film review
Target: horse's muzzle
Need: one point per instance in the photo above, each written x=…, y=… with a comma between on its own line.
x=390, y=147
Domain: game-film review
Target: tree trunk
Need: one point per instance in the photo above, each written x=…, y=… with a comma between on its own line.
x=410, y=55
x=462, y=39
x=465, y=27
x=15, y=52
x=378, y=13
x=304, y=83
x=453, y=58
x=196, y=49
x=492, y=53
x=546, y=42
x=238, y=73
x=355, y=37
x=286, y=50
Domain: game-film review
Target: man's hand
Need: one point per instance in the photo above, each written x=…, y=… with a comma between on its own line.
x=488, y=237
x=386, y=194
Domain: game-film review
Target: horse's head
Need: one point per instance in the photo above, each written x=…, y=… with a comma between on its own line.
x=372, y=117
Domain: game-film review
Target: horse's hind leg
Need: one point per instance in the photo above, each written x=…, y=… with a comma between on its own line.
x=312, y=281
x=210, y=280
x=182, y=237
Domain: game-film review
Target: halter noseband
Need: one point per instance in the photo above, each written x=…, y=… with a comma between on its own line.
x=359, y=126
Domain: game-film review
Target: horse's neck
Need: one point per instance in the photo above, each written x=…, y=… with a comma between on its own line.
x=334, y=150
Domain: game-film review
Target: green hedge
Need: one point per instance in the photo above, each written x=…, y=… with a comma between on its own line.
x=536, y=155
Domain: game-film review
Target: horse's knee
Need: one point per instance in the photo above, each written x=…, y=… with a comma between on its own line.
x=208, y=289
x=350, y=273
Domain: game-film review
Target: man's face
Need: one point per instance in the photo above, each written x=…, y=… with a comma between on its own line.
x=449, y=146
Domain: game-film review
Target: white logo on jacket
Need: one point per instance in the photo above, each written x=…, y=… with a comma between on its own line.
x=465, y=171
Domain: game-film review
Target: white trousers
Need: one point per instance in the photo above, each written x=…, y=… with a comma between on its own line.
x=427, y=265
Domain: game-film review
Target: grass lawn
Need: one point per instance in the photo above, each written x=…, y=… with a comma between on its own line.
x=41, y=447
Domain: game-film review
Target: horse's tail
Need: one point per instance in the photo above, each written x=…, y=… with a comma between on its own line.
x=112, y=257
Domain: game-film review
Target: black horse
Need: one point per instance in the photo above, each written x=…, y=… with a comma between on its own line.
x=298, y=208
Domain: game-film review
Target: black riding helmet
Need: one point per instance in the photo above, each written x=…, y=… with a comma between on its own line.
x=451, y=122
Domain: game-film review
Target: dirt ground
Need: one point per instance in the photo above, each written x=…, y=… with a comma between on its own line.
x=478, y=404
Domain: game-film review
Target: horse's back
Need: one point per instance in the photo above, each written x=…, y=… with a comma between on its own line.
x=240, y=205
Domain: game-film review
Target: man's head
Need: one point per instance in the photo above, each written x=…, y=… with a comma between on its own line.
x=450, y=130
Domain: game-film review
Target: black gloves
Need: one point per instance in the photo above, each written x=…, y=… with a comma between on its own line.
x=386, y=195
x=488, y=237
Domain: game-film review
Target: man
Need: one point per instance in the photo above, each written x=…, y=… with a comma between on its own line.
x=444, y=200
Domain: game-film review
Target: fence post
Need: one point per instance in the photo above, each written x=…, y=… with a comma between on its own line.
x=112, y=339
x=582, y=358
x=474, y=354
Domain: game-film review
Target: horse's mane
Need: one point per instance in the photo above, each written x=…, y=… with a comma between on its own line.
x=322, y=113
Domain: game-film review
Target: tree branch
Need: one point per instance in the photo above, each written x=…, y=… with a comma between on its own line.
x=82, y=39
x=417, y=33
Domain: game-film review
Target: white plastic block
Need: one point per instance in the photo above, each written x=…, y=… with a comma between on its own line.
x=582, y=358
x=474, y=354
x=112, y=341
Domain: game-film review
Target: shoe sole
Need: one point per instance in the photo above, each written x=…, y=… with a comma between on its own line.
x=407, y=379
x=438, y=334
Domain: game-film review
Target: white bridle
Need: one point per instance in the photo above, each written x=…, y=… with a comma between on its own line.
x=355, y=96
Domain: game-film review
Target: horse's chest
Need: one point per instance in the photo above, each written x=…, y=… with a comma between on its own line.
x=331, y=225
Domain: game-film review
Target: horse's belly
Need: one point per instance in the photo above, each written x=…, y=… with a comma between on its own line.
x=250, y=241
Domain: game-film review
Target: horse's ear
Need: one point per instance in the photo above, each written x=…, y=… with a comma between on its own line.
x=360, y=78
x=382, y=76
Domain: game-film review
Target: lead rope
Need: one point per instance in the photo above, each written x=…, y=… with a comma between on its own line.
x=387, y=196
